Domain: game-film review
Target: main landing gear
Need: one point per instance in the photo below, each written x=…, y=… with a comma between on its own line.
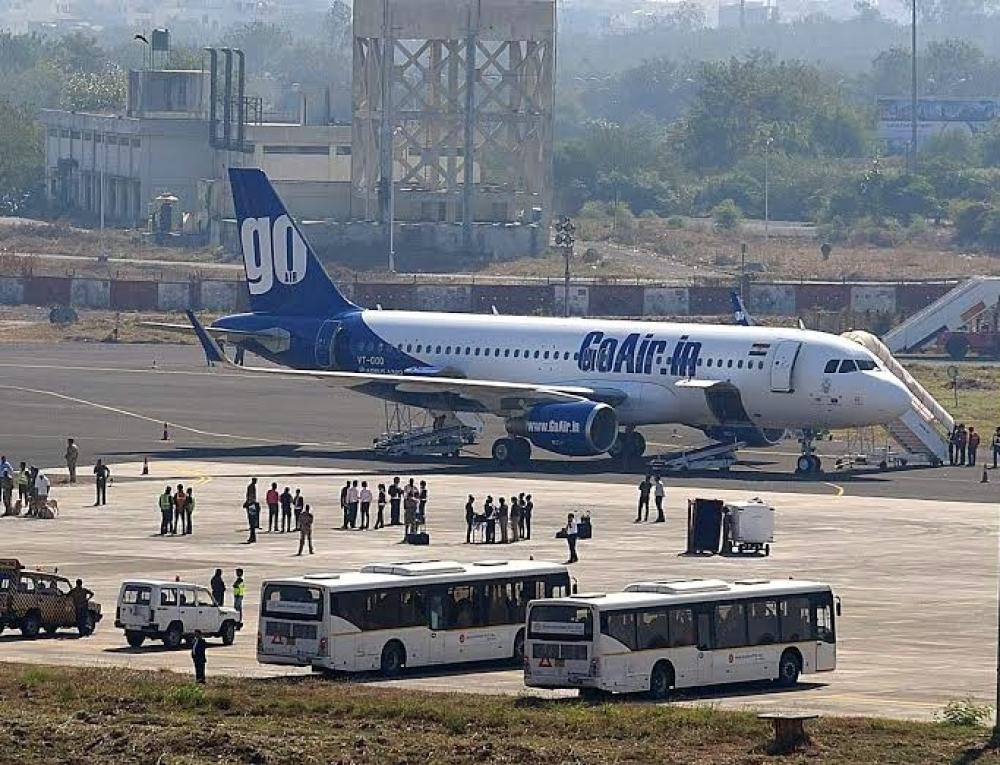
x=808, y=462
x=512, y=452
x=628, y=446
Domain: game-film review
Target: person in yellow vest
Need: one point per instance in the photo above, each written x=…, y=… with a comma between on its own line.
x=239, y=592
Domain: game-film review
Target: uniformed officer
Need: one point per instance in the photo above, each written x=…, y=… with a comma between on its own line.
x=72, y=456
x=239, y=592
x=166, y=510
x=80, y=596
x=198, y=656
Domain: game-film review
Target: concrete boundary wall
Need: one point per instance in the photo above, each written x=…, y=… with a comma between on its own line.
x=532, y=299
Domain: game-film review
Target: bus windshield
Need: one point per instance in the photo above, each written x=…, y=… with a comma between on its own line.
x=292, y=601
x=561, y=622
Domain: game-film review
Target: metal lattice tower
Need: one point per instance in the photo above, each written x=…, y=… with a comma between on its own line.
x=454, y=102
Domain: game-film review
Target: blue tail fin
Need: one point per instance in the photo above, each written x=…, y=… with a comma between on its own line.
x=283, y=273
x=740, y=314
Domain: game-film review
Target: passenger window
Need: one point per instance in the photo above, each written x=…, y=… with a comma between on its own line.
x=709, y=362
x=681, y=627
x=730, y=625
x=545, y=355
x=848, y=365
x=763, y=622
x=438, y=349
x=447, y=351
x=620, y=625
x=419, y=348
x=700, y=360
x=729, y=364
x=653, y=632
x=187, y=599
x=576, y=356
x=566, y=356
x=506, y=352
x=168, y=597
x=517, y=352
x=760, y=365
x=796, y=622
x=831, y=367
x=739, y=364
x=205, y=598
x=477, y=350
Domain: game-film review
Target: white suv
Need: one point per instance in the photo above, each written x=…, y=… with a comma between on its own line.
x=171, y=612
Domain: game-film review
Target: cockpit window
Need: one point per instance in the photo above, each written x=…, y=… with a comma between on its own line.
x=848, y=365
x=866, y=365
x=831, y=366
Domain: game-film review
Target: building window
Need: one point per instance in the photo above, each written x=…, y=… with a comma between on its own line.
x=343, y=151
x=74, y=133
x=308, y=150
x=136, y=143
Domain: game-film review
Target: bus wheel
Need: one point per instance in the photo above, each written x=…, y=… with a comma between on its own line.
x=661, y=681
x=519, y=647
x=393, y=659
x=789, y=668
x=593, y=695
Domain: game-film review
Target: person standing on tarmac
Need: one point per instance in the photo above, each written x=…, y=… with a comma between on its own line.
x=380, y=504
x=298, y=502
x=72, y=456
x=273, y=500
x=395, y=498
x=286, y=510
x=239, y=592
x=218, y=587
x=352, y=504
x=306, y=529
x=470, y=518
x=253, y=521
x=80, y=596
x=973, y=446
x=995, y=443
x=961, y=444
x=166, y=510
x=659, y=493
x=529, y=507
x=422, y=504
x=343, y=503
x=199, y=657
x=515, y=519
x=571, y=531
x=7, y=488
x=22, y=483
x=178, y=520
x=365, y=501
x=503, y=513
x=189, y=511
x=645, y=486
x=102, y=473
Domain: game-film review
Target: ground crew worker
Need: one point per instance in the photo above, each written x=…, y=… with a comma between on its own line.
x=178, y=519
x=239, y=592
x=22, y=482
x=306, y=529
x=166, y=510
x=198, y=656
x=645, y=485
x=72, y=455
x=973, y=446
x=218, y=587
x=659, y=492
x=80, y=596
x=101, y=475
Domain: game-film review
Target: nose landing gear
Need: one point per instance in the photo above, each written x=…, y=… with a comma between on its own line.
x=808, y=463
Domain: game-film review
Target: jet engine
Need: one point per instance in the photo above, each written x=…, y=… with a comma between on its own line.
x=578, y=429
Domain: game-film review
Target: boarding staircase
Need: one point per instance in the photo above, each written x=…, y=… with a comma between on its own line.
x=954, y=309
x=922, y=431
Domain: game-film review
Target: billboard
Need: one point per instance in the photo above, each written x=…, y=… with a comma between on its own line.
x=934, y=115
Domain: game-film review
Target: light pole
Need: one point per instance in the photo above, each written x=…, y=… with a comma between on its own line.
x=913, y=89
x=392, y=201
x=767, y=191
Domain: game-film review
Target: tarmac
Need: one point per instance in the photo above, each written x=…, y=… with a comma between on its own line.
x=917, y=571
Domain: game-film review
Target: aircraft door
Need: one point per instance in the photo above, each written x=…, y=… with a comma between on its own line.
x=783, y=365
x=326, y=357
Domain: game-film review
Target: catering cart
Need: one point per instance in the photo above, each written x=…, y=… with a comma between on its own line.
x=748, y=527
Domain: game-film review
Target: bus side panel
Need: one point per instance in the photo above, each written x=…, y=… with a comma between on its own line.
x=826, y=657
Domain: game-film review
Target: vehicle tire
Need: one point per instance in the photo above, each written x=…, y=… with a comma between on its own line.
x=393, y=659
x=134, y=639
x=635, y=445
x=228, y=633
x=789, y=668
x=518, y=654
x=817, y=465
x=51, y=631
x=521, y=454
x=88, y=626
x=31, y=624
x=503, y=450
x=957, y=346
x=593, y=695
x=661, y=681
x=803, y=464
x=173, y=636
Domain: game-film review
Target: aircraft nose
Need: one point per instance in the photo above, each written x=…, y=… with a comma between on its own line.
x=892, y=397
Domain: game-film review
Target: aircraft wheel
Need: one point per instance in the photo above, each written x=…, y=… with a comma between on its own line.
x=521, y=452
x=805, y=464
x=503, y=450
x=634, y=444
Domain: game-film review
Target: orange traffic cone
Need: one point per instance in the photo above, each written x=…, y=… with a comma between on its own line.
x=166, y=435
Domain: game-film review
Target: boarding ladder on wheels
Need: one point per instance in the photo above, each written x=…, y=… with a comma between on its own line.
x=955, y=309
x=923, y=430
x=407, y=435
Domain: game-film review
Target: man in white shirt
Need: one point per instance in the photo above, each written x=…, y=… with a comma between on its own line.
x=365, y=498
x=42, y=486
x=659, y=493
x=571, y=532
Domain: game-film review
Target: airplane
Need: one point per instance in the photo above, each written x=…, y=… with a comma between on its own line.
x=572, y=386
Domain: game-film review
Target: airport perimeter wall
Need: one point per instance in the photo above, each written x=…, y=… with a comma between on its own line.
x=528, y=298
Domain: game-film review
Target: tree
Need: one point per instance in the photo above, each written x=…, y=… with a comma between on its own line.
x=96, y=92
x=21, y=160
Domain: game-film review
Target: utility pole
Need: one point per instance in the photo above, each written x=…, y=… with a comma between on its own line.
x=767, y=192
x=913, y=91
x=392, y=201
x=564, y=241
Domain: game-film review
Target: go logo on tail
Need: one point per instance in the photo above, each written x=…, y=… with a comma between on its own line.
x=272, y=251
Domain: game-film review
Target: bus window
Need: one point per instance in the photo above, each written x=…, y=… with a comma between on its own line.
x=558, y=622
x=349, y=606
x=762, y=620
x=501, y=603
x=557, y=586
x=292, y=601
x=824, y=618
x=653, y=631
x=681, y=627
x=381, y=610
x=795, y=620
x=620, y=625
x=412, y=608
x=730, y=625
x=458, y=603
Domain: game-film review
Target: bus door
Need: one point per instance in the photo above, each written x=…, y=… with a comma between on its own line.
x=437, y=621
x=826, y=644
x=703, y=670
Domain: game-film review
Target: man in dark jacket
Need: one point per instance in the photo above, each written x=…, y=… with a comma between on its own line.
x=198, y=656
x=218, y=586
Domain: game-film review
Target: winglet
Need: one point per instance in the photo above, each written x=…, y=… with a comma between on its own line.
x=213, y=353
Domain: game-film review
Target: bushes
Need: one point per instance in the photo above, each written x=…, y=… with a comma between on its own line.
x=727, y=214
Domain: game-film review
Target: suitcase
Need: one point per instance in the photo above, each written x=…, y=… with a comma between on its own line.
x=420, y=538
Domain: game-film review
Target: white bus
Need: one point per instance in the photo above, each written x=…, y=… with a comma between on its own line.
x=388, y=616
x=661, y=635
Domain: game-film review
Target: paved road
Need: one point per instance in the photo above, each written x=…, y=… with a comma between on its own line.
x=114, y=401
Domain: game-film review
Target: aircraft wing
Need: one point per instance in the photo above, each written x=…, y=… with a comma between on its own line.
x=454, y=392
x=274, y=339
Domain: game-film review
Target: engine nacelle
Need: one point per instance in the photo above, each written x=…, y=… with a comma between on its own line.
x=579, y=429
x=751, y=436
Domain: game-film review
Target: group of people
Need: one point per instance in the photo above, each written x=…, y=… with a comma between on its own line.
x=285, y=511
x=33, y=488
x=963, y=446
x=651, y=485
x=176, y=510
x=199, y=653
x=356, y=500
x=512, y=520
